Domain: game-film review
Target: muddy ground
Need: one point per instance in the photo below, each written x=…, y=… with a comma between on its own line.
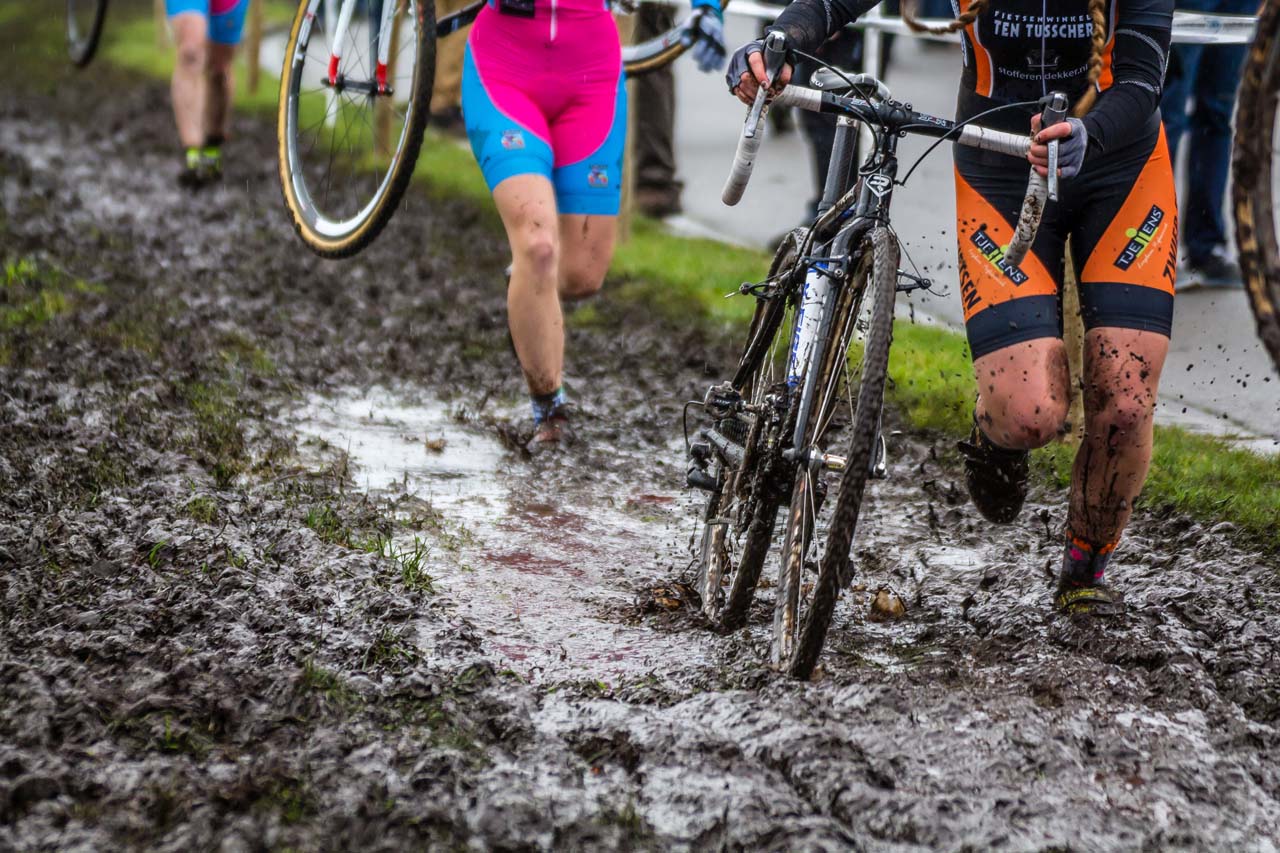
x=273, y=578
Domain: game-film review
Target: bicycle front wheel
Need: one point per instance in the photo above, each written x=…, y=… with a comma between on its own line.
x=1257, y=145
x=805, y=601
x=355, y=94
x=84, y=29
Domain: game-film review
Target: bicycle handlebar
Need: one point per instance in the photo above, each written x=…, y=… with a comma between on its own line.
x=899, y=118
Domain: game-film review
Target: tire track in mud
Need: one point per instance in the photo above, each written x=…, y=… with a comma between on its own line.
x=243, y=679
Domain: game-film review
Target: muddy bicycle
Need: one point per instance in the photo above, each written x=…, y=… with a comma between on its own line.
x=355, y=97
x=84, y=29
x=1256, y=147
x=804, y=404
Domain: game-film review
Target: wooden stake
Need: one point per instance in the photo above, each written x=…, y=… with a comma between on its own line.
x=253, y=46
x=162, y=26
x=386, y=107
x=626, y=32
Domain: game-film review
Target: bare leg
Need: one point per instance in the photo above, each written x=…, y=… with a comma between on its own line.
x=586, y=248
x=219, y=90
x=527, y=205
x=1122, y=373
x=188, y=86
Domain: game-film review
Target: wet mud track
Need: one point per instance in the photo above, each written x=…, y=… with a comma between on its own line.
x=273, y=580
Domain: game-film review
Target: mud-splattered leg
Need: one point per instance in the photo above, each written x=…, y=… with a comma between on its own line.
x=1122, y=372
x=1023, y=393
x=527, y=205
x=586, y=247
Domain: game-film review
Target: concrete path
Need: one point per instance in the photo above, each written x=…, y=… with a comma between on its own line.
x=1217, y=371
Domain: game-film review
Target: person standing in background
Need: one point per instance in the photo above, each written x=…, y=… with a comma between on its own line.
x=206, y=33
x=446, y=91
x=657, y=189
x=1199, y=95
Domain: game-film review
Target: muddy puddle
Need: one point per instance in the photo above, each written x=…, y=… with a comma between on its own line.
x=547, y=566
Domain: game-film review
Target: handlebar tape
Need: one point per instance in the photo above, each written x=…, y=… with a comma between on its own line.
x=744, y=160
x=1037, y=189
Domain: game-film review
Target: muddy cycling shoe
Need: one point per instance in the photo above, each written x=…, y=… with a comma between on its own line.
x=552, y=434
x=996, y=477
x=203, y=166
x=1094, y=600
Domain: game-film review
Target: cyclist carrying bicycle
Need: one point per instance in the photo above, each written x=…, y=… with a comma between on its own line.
x=545, y=109
x=206, y=33
x=1116, y=204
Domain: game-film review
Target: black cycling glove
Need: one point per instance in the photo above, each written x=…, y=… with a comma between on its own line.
x=738, y=64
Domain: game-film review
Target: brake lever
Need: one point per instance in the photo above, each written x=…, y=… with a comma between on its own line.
x=775, y=56
x=1055, y=112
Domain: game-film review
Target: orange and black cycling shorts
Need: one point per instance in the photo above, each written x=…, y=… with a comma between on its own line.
x=1122, y=217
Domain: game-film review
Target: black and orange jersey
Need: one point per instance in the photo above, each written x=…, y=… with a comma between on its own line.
x=1019, y=50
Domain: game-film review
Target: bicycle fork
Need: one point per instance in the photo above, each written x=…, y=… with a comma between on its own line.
x=814, y=333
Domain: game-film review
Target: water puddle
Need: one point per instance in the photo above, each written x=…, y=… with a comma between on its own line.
x=542, y=558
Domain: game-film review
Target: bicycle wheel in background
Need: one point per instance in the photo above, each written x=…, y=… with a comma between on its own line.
x=84, y=29
x=1257, y=146
x=355, y=95
x=658, y=52
x=805, y=602
x=739, y=518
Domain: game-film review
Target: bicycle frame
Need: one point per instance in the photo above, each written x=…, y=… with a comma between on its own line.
x=830, y=261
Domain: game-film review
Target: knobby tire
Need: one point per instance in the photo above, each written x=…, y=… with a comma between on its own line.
x=833, y=572
x=1252, y=164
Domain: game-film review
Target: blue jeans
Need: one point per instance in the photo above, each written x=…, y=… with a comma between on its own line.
x=1199, y=94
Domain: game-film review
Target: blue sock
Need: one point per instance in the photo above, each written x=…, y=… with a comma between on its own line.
x=545, y=405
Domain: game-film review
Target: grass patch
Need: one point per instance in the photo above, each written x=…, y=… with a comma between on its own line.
x=219, y=442
x=203, y=509
x=328, y=525
x=329, y=685
x=33, y=294
x=411, y=558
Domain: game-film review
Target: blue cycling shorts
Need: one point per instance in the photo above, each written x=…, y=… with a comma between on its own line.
x=226, y=17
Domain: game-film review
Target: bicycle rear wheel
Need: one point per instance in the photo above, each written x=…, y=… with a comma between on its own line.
x=658, y=52
x=84, y=29
x=1257, y=146
x=355, y=95
x=740, y=514
x=804, y=607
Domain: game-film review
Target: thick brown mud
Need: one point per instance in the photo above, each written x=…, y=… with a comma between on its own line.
x=274, y=578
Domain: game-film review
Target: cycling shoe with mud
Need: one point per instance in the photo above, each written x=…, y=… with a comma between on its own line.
x=1094, y=600
x=203, y=166
x=996, y=477
x=552, y=434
